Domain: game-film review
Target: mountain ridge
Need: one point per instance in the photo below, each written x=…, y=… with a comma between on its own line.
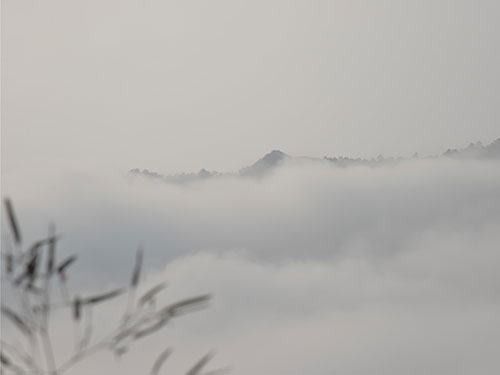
x=270, y=161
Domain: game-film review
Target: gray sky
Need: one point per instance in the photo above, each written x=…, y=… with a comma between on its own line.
x=181, y=85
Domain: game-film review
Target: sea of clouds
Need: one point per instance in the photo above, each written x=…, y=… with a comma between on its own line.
x=314, y=269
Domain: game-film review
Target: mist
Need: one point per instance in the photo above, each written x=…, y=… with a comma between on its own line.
x=313, y=269
x=316, y=264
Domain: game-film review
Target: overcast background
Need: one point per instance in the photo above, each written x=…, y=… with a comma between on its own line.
x=314, y=269
x=180, y=85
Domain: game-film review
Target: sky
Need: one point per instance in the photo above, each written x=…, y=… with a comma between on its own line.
x=313, y=269
x=184, y=85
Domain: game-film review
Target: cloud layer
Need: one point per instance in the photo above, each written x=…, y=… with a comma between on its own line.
x=314, y=269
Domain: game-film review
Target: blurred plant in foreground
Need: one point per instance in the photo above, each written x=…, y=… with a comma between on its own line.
x=31, y=274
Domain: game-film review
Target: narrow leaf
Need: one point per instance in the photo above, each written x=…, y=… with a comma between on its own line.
x=152, y=328
x=151, y=293
x=17, y=320
x=65, y=264
x=103, y=297
x=12, y=220
x=137, y=269
x=160, y=361
x=200, y=364
x=77, y=308
x=187, y=305
x=51, y=251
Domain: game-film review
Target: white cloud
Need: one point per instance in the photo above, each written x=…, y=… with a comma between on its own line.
x=314, y=270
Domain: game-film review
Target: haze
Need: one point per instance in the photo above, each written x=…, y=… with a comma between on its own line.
x=315, y=268
x=177, y=86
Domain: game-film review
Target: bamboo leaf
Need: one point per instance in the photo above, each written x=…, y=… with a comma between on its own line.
x=77, y=308
x=187, y=305
x=103, y=297
x=137, y=269
x=160, y=360
x=152, y=328
x=17, y=320
x=200, y=364
x=51, y=242
x=151, y=293
x=12, y=220
x=65, y=264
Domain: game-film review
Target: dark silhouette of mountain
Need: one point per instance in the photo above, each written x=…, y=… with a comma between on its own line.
x=267, y=164
x=181, y=178
x=264, y=166
x=476, y=151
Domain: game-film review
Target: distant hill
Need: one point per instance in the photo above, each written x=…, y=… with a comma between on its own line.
x=263, y=166
x=476, y=151
x=275, y=158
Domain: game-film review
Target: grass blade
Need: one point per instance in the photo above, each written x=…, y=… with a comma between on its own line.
x=137, y=269
x=103, y=297
x=200, y=364
x=12, y=220
x=17, y=320
x=151, y=293
x=152, y=328
x=51, y=242
x=160, y=360
x=77, y=308
x=187, y=305
x=65, y=264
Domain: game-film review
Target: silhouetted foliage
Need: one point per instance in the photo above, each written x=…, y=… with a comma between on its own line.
x=31, y=284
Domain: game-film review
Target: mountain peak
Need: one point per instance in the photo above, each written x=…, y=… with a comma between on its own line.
x=263, y=166
x=274, y=157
